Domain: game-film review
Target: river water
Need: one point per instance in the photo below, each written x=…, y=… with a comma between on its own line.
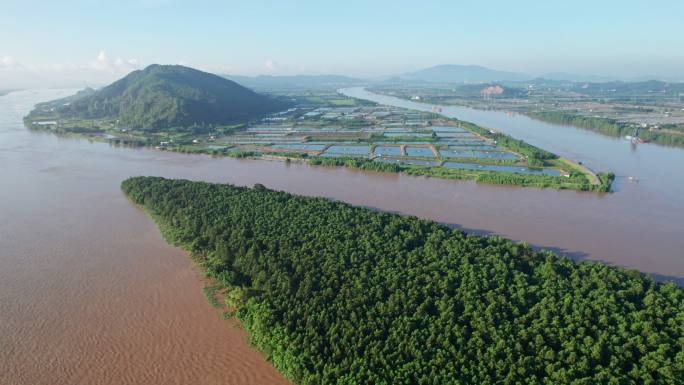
x=658, y=168
x=91, y=294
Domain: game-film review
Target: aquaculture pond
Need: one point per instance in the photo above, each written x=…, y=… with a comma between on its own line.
x=419, y=162
x=301, y=146
x=388, y=150
x=419, y=151
x=448, y=129
x=336, y=155
x=487, y=167
x=471, y=147
x=464, y=142
x=405, y=142
x=249, y=141
x=454, y=134
x=477, y=154
x=347, y=150
x=407, y=133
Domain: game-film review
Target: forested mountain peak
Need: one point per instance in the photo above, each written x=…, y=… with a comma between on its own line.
x=162, y=96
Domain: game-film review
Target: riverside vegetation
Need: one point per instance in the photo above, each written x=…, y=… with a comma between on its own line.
x=336, y=294
x=671, y=135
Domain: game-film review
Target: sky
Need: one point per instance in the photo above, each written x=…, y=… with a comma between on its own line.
x=64, y=42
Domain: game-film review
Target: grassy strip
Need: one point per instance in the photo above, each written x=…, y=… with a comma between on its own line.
x=211, y=290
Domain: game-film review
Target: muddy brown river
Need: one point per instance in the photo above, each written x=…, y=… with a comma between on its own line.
x=91, y=294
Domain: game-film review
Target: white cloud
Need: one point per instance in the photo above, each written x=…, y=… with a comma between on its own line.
x=104, y=63
x=9, y=63
x=15, y=75
x=271, y=65
x=100, y=71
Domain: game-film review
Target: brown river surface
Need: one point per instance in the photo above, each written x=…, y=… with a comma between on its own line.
x=91, y=294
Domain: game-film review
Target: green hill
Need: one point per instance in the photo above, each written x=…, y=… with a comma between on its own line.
x=164, y=96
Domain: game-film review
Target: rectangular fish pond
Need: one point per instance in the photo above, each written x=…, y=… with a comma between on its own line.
x=419, y=162
x=407, y=133
x=402, y=142
x=515, y=169
x=473, y=147
x=452, y=129
x=388, y=150
x=338, y=150
x=301, y=146
x=452, y=134
x=463, y=141
x=477, y=154
x=419, y=151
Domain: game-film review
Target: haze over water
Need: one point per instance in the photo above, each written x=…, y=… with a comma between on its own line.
x=91, y=294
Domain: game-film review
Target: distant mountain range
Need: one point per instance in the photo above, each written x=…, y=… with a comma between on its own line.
x=5, y=92
x=270, y=83
x=455, y=73
x=576, y=77
x=163, y=96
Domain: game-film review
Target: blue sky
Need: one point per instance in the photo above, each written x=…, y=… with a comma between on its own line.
x=360, y=38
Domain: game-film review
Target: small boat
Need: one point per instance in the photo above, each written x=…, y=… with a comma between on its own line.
x=633, y=179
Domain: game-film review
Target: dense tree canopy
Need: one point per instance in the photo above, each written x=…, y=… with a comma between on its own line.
x=337, y=294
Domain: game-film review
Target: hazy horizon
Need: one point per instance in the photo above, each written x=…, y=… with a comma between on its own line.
x=90, y=42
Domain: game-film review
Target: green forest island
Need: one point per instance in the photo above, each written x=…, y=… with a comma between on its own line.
x=336, y=294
